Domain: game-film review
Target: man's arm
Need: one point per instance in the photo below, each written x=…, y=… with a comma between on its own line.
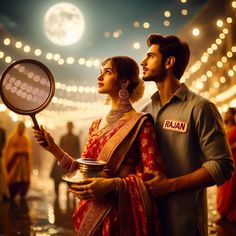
x=160, y=186
x=213, y=142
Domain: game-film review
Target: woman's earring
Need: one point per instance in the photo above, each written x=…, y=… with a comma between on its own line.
x=124, y=94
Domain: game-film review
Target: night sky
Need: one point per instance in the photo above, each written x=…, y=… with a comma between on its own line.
x=23, y=20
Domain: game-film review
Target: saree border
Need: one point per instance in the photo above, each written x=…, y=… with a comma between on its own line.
x=113, y=153
x=116, y=149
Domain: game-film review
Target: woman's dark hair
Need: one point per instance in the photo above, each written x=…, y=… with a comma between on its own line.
x=232, y=110
x=126, y=69
x=172, y=46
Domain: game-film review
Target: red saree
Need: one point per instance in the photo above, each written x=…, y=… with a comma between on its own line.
x=129, y=146
x=226, y=194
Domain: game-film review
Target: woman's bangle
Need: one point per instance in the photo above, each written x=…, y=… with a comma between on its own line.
x=65, y=161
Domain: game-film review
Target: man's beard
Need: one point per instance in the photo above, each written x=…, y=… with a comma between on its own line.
x=158, y=76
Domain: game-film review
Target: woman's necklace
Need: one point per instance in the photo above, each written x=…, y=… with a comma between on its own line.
x=115, y=115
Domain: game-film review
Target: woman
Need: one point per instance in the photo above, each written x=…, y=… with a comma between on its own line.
x=118, y=204
x=17, y=162
x=4, y=194
x=226, y=195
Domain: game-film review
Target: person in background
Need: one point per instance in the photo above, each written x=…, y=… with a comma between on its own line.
x=4, y=193
x=17, y=161
x=191, y=137
x=70, y=143
x=226, y=193
x=118, y=203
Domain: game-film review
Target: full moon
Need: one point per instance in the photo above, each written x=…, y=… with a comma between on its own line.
x=64, y=24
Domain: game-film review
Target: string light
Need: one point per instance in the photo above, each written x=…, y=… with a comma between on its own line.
x=81, y=61
x=116, y=34
x=167, y=14
x=37, y=52
x=229, y=20
x=225, y=31
x=184, y=12
x=234, y=4
x=136, y=24
x=205, y=55
x=197, y=85
x=18, y=44
x=89, y=63
x=27, y=48
x=146, y=25
x=55, y=57
x=70, y=60
x=8, y=59
x=196, y=32
x=7, y=41
x=136, y=45
x=60, y=61
x=219, y=23
x=49, y=56
x=166, y=23
x=222, y=79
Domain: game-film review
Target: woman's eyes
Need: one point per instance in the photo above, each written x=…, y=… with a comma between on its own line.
x=107, y=72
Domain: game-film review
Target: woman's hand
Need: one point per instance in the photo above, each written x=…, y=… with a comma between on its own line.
x=41, y=136
x=93, y=188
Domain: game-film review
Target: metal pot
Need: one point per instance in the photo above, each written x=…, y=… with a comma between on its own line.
x=88, y=168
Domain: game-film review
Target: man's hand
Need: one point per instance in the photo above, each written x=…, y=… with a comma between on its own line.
x=93, y=188
x=159, y=186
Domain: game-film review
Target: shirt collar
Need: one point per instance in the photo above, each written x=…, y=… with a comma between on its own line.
x=180, y=93
x=155, y=96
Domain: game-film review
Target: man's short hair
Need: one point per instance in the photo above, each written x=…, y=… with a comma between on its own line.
x=172, y=46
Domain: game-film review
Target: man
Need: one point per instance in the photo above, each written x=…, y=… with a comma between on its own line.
x=190, y=136
x=70, y=144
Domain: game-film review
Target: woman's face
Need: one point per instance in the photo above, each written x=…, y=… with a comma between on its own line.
x=21, y=129
x=107, y=81
x=229, y=117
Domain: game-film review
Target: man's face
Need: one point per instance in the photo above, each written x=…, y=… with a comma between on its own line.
x=70, y=127
x=153, y=67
